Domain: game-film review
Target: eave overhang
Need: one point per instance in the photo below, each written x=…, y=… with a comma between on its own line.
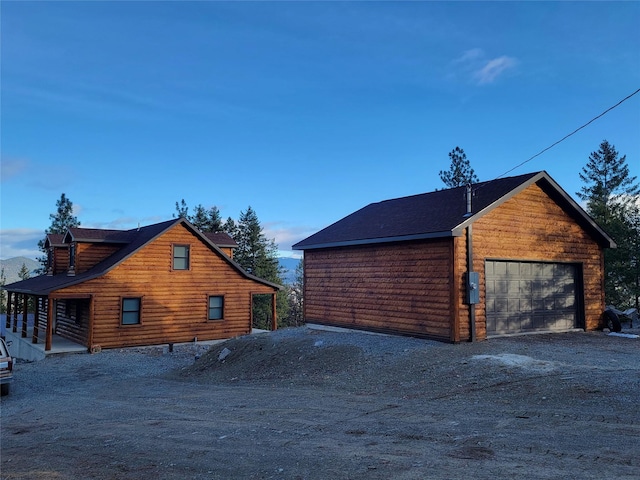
x=373, y=241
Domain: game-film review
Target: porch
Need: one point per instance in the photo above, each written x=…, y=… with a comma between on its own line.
x=23, y=347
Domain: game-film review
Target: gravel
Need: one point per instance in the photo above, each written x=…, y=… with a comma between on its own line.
x=311, y=404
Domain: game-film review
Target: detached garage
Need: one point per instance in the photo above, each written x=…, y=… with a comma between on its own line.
x=508, y=256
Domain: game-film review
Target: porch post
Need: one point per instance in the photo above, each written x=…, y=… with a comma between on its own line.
x=90, y=335
x=274, y=319
x=8, y=319
x=48, y=341
x=14, y=327
x=25, y=314
x=36, y=320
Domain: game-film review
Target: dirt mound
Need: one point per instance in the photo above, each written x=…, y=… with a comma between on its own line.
x=266, y=357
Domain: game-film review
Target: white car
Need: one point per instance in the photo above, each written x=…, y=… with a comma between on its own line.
x=6, y=368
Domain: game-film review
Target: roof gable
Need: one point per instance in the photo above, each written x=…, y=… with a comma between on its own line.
x=442, y=213
x=138, y=238
x=54, y=240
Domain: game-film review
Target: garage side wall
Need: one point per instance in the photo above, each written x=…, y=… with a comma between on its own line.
x=399, y=288
x=532, y=227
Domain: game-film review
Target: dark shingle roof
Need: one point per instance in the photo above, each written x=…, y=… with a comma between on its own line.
x=98, y=235
x=54, y=239
x=429, y=215
x=221, y=239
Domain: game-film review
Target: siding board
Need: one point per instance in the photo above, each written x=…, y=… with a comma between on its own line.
x=400, y=288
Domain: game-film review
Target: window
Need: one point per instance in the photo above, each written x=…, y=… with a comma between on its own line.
x=50, y=261
x=181, y=257
x=72, y=258
x=216, y=307
x=131, y=311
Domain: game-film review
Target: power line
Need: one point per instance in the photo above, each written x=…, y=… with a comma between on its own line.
x=567, y=136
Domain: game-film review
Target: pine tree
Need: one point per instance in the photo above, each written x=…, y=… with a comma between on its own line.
x=203, y=219
x=259, y=257
x=207, y=220
x=60, y=222
x=24, y=273
x=612, y=197
x=460, y=172
x=251, y=242
x=230, y=228
x=182, y=210
x=608, y=183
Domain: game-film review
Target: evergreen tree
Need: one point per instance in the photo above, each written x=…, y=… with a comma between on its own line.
x=608, y=184
x=230, y=228
x=24, y=273
x=612, y=197
x=622, y=265
x=182, y=210
x=60, y=222
x=203, y=219
x=207, y=221
x=460, y=172
x=259, y=257
x=251, y=242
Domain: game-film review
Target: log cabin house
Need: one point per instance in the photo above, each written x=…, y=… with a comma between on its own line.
x=517, y=255
x=163, y=283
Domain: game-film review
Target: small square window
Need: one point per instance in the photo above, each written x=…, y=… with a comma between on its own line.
x=130, y=311
x=216, y=308
x=181, y=257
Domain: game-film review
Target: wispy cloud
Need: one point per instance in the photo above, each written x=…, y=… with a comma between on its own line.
x=494, y=68
x=20, y=242
x=475, y=65
x=12, y=167
x=469, y=56
x=41, y=176
x=286, y=235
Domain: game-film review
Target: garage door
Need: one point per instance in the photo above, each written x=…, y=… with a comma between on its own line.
x=530, y=297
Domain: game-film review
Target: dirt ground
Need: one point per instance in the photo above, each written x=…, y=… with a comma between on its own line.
x=308, y=404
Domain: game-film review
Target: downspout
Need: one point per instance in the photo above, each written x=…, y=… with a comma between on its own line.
x=472, y=306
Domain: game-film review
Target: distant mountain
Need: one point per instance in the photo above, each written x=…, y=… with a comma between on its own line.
x=289, y=266
x=12, y=267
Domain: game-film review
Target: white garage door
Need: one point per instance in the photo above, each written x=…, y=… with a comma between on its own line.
x=530, y=297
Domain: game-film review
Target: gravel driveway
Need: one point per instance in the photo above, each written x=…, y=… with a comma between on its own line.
x=308, y=404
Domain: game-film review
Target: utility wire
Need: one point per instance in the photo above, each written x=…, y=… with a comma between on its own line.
x=567, y=136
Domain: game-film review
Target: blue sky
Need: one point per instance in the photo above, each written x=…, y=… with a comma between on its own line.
x=304, y=111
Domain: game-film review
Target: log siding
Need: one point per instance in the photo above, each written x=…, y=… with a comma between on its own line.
x=532, y=227
x=420, y=287
x=90, y=254
x=401, y=288
x=174, y=302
